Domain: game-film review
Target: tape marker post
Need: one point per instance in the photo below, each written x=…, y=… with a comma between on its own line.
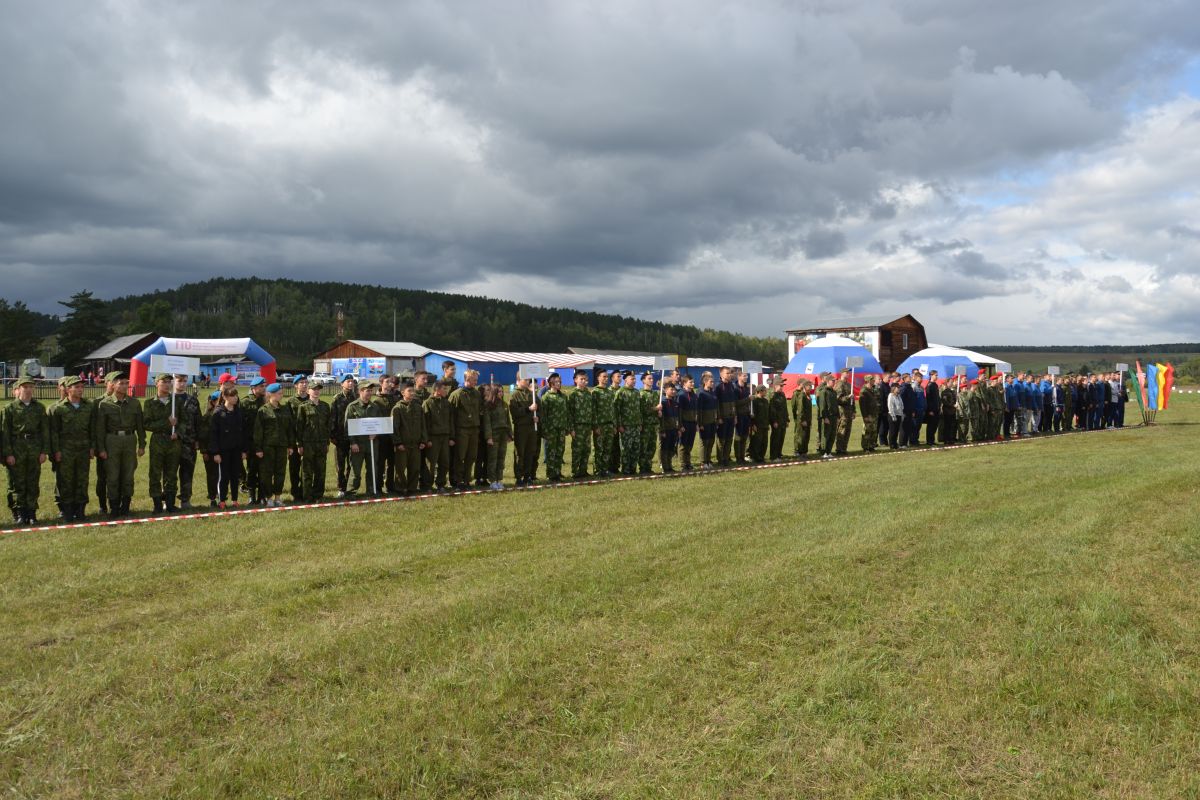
x=107, y=523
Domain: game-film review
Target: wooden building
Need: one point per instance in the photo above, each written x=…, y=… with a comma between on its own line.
x=116, y=355
x=890, y=339
x=370, y=358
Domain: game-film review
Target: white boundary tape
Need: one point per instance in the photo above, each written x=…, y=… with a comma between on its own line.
x=698, y=473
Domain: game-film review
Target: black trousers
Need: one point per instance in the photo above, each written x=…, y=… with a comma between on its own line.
x=932, y=423
x=893, y=431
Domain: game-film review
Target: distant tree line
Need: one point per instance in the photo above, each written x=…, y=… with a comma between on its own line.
x=295, y=319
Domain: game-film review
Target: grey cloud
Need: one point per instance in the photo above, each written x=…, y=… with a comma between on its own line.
x=824, y=244
x=1114, y=283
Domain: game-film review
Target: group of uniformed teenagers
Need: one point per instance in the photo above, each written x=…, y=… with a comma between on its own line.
x=446, y=436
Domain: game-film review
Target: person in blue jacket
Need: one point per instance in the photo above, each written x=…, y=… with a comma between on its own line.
x=1011, y=408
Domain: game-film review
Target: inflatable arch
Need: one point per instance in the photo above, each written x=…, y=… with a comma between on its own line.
x=139, y=366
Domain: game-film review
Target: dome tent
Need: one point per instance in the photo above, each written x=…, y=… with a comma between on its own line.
x=828, y=354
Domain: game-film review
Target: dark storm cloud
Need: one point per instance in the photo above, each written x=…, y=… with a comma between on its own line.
x=584, y=145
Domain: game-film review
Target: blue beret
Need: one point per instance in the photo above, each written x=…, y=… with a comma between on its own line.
x=274, y=387
x=259, y=381
x=346, y=377
x=215, y=395
x=299, y=378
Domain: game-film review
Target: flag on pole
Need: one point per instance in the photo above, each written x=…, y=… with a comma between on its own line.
x=1135, y=380
x=1169, y=384
x=1151, y=387
x=1160, y=375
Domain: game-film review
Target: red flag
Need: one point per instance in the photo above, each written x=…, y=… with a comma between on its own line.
x=1168, y=385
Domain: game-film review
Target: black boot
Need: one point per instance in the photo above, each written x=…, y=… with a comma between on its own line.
x=170, y=506
x=158, y=505
x=31, y=516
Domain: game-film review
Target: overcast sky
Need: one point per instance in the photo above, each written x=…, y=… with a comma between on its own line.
x=1018, y=172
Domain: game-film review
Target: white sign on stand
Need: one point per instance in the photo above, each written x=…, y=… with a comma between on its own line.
x=1003, y=367
x=174, y=365
x=960, y=369
x=537, y=372
x=665, y=363
x=1122, y=368
x=752, y=367
x=1053, y=371
x=369, y=426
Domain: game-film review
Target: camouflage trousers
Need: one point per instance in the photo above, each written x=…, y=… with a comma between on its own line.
x=602, y=439
x=844, y=425
x=631, y=445
x=312, y=470
x=24, y=477
x=870, y=434
x=647, y=448
x=979, y=428
x=164, y=467
x=964, y=427
x=828, y=427
x=72, y=476
x=556, y=446
x=581, y=451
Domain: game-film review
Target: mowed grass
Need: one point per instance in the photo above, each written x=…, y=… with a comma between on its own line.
x=1017, y=621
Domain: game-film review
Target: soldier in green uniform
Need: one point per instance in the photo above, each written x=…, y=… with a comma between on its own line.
x=555, y=417
x=497, y=432
x=581, y=421
x=760, y=413
x=120, y=442
x=802, y=416
x=949, y=422
x=158, y=414
x=341, y=442
x=978, y=401
x=364, y=448
x=525, y=433
x=778, y=418
x=101, y=465
x=187, y=410
x=827, y=411
x=274, y=443
x=72, y=441
x=25, y=442
x=845, y=419
x=627, y=412
x=251, y=404
x=422, y=392
x=603, y=426
x=437, y=428
x=744, y=417
x=966, y=389
x=409, y=438
x=314, y=423
x=668, y=427
x=465, y=405
x=707, y=413
x=62, y=396
x=296, y=461
x=868, y=404
x=996, y=408
x=649, y=443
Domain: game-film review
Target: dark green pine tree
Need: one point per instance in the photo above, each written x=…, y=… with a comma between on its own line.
x=85, y=328
x=21, y=331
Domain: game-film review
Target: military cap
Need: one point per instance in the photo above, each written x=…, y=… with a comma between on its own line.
x=63, y=380
x=369, y=385
x=259, y=381
x=113, y=377
x=299, y=378
x=163, y=377
x=23, y=379
x=71, y=380
x=274, y=387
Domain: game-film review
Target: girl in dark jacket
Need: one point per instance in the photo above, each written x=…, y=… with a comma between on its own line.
x=227, y=445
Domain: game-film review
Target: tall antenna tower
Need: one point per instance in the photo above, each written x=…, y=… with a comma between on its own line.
x=340, y=316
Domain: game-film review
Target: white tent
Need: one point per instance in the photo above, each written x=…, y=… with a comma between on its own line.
x=978, y=358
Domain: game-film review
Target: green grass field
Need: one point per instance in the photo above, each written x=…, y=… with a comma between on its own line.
x=1014, y=621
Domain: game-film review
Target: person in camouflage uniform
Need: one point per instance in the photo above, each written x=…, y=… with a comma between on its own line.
x=949, y=422
x=603, y=425
x=409, y=437
x=187, y=409
x=437, y=431
x=627, y=411
x=525, y=432
x=707, y=410
x=25, y=443
x=102, y=466
x=341, y=441
x=995, y=408
x=314, y=422
x=296, y=460
x=978, y=405
x=827, y=410
x=649, y=444
x=72, y=441
x=760, y=414
x=166, y=443
x=250, y=406
x=802, y=414
x=364, y=448
x=497, y=432
x=120, y=442
x=465, y=405
x=274, y=443
x=582, y=421
x=845, y=418
x=778, y=417
x=421, y=393
x=555, y=417
x=965, y=390
x=868, y=404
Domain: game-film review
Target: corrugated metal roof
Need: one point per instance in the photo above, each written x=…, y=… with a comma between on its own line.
x=555, y=360
x=844, y=323
x=111, y=349
x=642, y=358
x=393, y=349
